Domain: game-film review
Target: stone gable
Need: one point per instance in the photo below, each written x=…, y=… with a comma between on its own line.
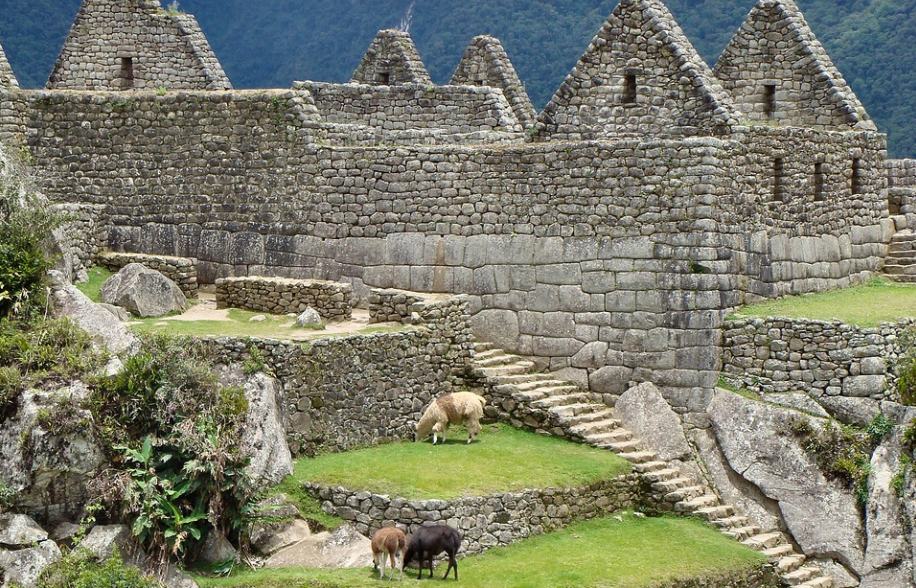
x=777, y=70
x=486, y=63
x=639, y=76
x=7, y=78
x=391, y=60
x=136, y=44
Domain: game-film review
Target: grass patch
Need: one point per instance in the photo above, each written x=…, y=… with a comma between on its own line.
x=749, y=394
x=504, y=459
x=93, y=286
x=309, y=506
x=632, y=553
x=868, y=305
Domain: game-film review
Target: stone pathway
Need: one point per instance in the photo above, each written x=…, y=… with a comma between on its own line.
x=900, y=264
x=550, y=405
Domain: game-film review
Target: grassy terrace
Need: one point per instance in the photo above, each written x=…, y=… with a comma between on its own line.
x=627, y=553
x=503, y=459
x=869, y=305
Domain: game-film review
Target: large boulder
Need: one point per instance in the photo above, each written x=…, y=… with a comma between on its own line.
x=48, y=454
x=22, y=567
x=106, y=330
x=143, y=292
x=17, y=530
x=645, y=412
x=822, y=516
x=344, y=548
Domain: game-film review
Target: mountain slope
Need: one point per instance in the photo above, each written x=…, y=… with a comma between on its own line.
x=270, y=43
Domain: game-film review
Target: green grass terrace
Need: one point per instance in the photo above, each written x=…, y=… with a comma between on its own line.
x=620, y=552
x=868, y=305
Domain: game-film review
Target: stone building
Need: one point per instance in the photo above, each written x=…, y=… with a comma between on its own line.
x=607, y=237
x=136, y=44
x=7, y=78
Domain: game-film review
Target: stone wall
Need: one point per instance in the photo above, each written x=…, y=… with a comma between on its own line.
x=392, y=59
x=332, y=300
x=349, y=392
x=81, y=237
x=393, y=305
x=450, y=109
x=487, y=521
x=778, y=355
x=181, y=270
x=165, y=49
x=901, y=173
x=7, y=77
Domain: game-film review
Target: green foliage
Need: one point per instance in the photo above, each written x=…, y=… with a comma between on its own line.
x=78, y=569
x=906, y=368
x=7, y=497
x=909, y=436
x=879, y=428
x=842, y=452
x=92, y=287
x=255, y=362
x=898, y=482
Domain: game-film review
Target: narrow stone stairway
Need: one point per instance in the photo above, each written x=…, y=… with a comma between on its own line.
x=900, y=264
x=550, y=405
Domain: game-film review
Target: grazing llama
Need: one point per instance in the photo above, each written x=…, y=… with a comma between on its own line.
x=428, y=542
x=451, y=409
x=389, y=545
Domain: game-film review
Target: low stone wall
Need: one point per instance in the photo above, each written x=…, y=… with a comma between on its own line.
x=488, y=521
x=332, y=300
x=181, y=270
x=390, y=305
x=348, y=392
x=81, y=236
x=776, y=355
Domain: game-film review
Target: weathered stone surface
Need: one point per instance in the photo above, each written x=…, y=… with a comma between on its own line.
x=21, y=568
x=822, y=517
x=309, y=318
x=106, y=330
x=217, y=549
x=646, y=413
x=263, y=436
x=17, y=530
x=797, y=401
x=119, y=313
x=270, y=541
x=143, y=292
x=499, y=326
x=344, y=548
x=103, y=540
x=854, y=411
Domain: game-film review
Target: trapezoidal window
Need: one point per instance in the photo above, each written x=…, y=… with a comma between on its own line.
x=384, y=78
x=127, y=73
x=769, y=100
x=857, y=176
x=779, y=180
x=818, y=181
x=629, y=89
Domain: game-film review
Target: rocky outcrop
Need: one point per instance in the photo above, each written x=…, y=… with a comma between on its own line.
x=344, y=548
x=106, y=329
x=822, y=517
x=49, y=453
x=143, y=292
x=645, y=412
x=21, y=568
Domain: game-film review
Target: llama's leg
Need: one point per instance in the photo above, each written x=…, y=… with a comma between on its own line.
x=473, y=430
x=383, y=557
x=400, y=559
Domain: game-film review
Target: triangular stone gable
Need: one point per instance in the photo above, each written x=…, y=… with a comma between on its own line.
x=639, y=76
x=392, y=60
x=7, y=78
x=776, y=47
x=486, y=63
x=136, y=44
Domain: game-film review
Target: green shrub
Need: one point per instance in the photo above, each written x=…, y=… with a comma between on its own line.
x=842, y=452
x=79, y=570
x=906, y=368
x=7, y=497
x=879, y=428
x=898, y=482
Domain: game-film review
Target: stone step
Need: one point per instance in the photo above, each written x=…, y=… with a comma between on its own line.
x=623, y=447
x=516, y=379
x=481, y=355
x=790, y=563
x=592, y=427
x=598, y=415
x=902, y=255
x=515, y=369
x=778, y=552
x=495, y=360
x=639, y=456
x=711, y=513
x=732, y=522
x=482, y=346
x=822, y=582
x=764, y=541
x=544, y=392
x=903, y=279
x=695, y=504
x=903, y=236
x=672, y=484
x=742, y=533
x=687, y=493
x=662, y=475
x=802, y=575
x=649, y=466
x=551, y=400
x=613, y=436
x=900, y=270
x=529, y=395
x=535, y=384
x=570, y=410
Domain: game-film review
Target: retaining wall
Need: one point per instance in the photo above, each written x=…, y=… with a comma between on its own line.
x=332, y=300
x=360, y=390
x=181, y=270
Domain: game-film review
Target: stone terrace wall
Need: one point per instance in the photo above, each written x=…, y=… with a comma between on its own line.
x=82, y=236
x=901, y=173
x=332, y=300
x=816, y=357
x=393, y=305
x=181, y=270
x=454, y=109
x=488, y=521
x=343, y=393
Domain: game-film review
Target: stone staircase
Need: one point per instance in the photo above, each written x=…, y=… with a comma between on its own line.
x=900, y=264
x=553, y=406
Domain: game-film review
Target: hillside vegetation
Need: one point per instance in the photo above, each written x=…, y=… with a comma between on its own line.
x=270, y=43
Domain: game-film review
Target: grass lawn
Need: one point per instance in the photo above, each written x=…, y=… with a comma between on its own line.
x=632, y=553
x=869, y=305
x=503, y=459
x=93, y=287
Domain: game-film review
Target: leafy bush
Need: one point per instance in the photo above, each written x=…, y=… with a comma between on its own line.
x=879, y=428
x=173, y=434
x=7, y=497
x=842, y=452
x=906, y=368
x=79, y=570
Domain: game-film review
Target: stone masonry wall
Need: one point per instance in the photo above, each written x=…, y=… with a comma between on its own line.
x=901, y=173
x=392, y=59
x=393, y=305
x=332, y=300
x=487, y=521
x=816, y=357
x=82, y=236
x=181, y=270
x=349, y=392
x=167, y=49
